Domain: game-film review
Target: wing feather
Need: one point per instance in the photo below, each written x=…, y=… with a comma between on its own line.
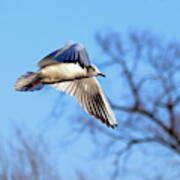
x=70, y=53
x=91, y=97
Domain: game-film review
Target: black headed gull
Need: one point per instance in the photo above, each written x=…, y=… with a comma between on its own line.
x=69, y=69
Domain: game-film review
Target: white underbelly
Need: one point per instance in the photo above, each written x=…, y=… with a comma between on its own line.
x=63, y=71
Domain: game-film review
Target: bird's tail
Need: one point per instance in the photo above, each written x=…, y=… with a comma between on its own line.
x=29, y=82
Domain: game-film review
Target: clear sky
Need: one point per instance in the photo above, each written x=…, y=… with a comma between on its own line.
x=31, y=29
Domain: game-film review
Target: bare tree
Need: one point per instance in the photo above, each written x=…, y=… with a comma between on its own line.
x=30, y=156
x=147, y=86
x=26, y=158
x=149, y=71
x=146, y=77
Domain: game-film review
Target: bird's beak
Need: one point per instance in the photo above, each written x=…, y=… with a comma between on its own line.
x=101, y=74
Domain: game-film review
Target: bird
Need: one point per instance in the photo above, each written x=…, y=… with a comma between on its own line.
x=69, y=69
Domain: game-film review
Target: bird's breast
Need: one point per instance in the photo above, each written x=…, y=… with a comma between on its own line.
x=61, y=72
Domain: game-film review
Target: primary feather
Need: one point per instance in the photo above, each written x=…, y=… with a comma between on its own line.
x=91, y=97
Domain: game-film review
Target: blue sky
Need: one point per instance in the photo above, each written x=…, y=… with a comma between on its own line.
x=31, y=29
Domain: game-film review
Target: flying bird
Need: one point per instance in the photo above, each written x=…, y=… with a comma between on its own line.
x=69, y=69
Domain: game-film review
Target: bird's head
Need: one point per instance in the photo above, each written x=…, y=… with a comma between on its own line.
x=94, y=71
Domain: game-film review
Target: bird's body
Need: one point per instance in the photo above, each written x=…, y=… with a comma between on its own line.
x=62, y=72
x=69, y=69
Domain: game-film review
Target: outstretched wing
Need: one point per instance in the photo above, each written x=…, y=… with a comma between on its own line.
x=91, y=97
x=68, y=54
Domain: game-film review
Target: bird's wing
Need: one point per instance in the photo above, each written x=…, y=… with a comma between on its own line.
x=69, y=53
x=91, y=97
